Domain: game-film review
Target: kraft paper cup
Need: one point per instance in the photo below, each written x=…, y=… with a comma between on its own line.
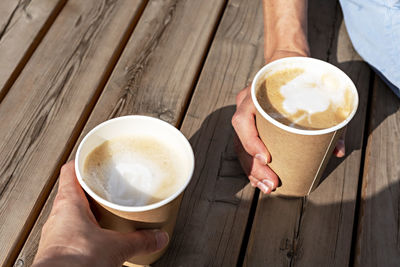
x=121, y=218
x=299, y=157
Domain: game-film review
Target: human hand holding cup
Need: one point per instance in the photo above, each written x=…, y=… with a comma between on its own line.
x=135, y=169
x=299, y=156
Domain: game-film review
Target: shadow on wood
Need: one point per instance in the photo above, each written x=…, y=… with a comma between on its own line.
x=217, y=205
x=325, y=22
x=215, y=209
x=316, y=222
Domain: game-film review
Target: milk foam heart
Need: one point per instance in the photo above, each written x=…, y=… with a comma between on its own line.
x=305, y=98
x=312, y=93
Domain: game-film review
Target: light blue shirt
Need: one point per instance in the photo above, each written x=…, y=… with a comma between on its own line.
x=374, y=29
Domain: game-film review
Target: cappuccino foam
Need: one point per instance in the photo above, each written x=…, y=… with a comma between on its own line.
x=133, y=171
x=305, y=98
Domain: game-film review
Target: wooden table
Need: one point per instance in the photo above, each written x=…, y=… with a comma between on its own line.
x=66, y=66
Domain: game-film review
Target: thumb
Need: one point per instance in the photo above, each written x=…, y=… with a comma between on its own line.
x=140, y=242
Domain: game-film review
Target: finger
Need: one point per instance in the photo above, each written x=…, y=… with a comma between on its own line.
x=242, y=95
x=263, y=186
x=71, y=195
x=139, y=242
x=244, y=123
x=340, y=149
x=68, y=186
x=256, y=171
x=253, y=181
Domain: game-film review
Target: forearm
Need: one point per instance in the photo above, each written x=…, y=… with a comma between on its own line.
x=285, y=27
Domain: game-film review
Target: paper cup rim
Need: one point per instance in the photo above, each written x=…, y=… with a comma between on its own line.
x=295, y=130
x=134, y=208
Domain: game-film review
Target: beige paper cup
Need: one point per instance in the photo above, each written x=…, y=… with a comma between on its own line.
x=121, y=218
x=299, y=157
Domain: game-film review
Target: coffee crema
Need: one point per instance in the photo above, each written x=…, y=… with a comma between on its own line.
x=305, y=99
x=132, y=171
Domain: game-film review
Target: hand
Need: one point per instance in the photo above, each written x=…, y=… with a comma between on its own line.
x=72, y=237
x=340, y=149
x=252, y=153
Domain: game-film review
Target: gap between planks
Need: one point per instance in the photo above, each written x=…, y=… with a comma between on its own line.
x=378, y=217
x=197, y=75
x=31, y=49
x=30, y=222
x=363, y=166
x=297, y=246
x=88, y=125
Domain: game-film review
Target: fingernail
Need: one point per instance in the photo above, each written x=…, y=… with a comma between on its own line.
x=261, y=157
x=339, y=152
x=335, y=151
x=162, y=239
x=269, y=183
x=263, y=187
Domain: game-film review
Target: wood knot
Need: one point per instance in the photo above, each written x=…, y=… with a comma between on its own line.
x=19, y=263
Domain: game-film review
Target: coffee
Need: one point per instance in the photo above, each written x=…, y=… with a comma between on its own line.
x=305, y=98
x=132, y=171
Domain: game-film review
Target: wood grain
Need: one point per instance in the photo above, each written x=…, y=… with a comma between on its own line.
x=378, y=235
x=317, y=230
x=154, y=76
x=216, y=205
x=23, y=24
x=47, y=104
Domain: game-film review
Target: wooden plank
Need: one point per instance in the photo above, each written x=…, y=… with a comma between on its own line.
x=45, y=108
x=22, y=26
x=317, y=230
x=154, y=76
x=216, y=205
x=378, y=236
